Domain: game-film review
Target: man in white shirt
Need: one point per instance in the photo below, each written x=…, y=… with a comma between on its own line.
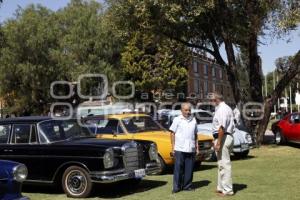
x=184, y=146
x=223, y=129
x=237, y=117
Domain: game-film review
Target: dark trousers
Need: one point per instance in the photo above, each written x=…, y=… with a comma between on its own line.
x=183, y=170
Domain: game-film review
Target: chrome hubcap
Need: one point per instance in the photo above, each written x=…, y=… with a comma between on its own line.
x=278, y=137
x=76, y=182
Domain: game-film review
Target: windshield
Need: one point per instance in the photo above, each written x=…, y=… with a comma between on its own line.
x=203, y=117
x=141, y=124
x=58, y=130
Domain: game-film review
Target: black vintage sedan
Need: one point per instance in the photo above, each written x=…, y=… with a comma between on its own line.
x=58, y=151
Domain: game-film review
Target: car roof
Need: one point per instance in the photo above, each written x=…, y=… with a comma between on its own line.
x=117, y=116
x=25, y=119
x=178, y=112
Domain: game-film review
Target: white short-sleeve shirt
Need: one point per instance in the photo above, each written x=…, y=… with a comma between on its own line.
x=185, y=130
x=223, y=117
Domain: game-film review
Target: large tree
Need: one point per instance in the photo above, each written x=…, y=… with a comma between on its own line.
x=154, y=63
x=41, y=46
x=209, y=25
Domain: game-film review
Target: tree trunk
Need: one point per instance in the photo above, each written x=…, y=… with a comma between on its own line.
x=255, y=71
x=270, y=102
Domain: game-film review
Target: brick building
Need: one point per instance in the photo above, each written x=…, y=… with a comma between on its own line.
x=206, y=76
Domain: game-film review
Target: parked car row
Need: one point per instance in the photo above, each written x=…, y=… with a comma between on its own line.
x=242, y=139
x=63, y=152
x=78, y=153
x=142, y=127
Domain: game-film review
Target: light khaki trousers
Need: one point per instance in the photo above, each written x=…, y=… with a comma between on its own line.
x=224, y=165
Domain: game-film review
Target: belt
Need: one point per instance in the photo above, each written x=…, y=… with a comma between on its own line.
x=215, y=135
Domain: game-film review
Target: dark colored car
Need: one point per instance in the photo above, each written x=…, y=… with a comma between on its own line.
x=12, y=174
x=287, y=129
x=61, y=151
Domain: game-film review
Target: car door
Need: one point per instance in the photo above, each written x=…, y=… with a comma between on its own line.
x=24, y=148
x=295, y=129
x=286, y=125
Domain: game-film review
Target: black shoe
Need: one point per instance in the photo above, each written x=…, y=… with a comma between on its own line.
x=175, y=191
x=189, y=189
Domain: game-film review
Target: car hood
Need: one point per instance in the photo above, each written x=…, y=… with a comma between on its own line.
x=164, y=136
x=153, y=136
x=6, y=168
x=239, y=135
x=94, y=142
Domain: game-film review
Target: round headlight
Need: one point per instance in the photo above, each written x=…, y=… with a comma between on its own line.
x=153, y=152
x=108, y=158
x=249, y=138
x=20, y=173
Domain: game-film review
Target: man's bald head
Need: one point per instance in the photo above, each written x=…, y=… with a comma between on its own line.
x=186, y=109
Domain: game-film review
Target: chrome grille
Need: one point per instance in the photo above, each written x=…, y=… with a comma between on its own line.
x=131, y=156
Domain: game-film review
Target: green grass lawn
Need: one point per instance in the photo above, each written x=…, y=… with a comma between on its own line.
x=270, y=172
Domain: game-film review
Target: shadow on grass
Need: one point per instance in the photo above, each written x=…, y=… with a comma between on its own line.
x=113, y=190
x=200, y=184
x=45, y=189
x=197, y=167
x=235, y=158
x=118, y=190
x=294, y=145
x=239, y=187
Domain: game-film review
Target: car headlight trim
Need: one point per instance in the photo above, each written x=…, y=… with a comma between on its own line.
x=249, y=138
x=20, y=173
x=108, y=158
x=153, y=152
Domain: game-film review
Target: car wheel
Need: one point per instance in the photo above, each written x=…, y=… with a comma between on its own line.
x=76, y=182
x=162, y=166
x=279, y=138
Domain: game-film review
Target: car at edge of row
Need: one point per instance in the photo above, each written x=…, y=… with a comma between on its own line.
x=62, y=152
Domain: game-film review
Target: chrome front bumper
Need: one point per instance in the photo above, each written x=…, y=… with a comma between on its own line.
x=121, y=174
x=205, y=154
x=241, y=148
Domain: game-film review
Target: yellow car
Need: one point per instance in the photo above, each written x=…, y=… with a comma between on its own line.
x=143, y=127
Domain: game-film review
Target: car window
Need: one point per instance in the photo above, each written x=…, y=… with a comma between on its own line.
x=112, y=127
x=4, y=133
x=140, y=124
x=203, y=117
x=21, y=133
x=58, y=130
x=33, y=136
x=295, y=118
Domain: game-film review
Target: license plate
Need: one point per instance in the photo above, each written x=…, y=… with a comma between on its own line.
x=139, y=173
x=245, y=146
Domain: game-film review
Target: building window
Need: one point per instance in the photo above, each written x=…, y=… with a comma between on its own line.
x=221, y=74
x=228, y=91
x=196, y=86
x=195, y=66
x=222, y=89
x=213, y=71
x=205, y=88
x=205, y=69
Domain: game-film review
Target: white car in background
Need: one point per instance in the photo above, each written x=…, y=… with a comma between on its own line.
x=242, y=139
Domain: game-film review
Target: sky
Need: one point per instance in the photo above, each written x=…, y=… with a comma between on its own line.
x=269, y=50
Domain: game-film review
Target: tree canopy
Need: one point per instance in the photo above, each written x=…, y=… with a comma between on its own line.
x=40, y=46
